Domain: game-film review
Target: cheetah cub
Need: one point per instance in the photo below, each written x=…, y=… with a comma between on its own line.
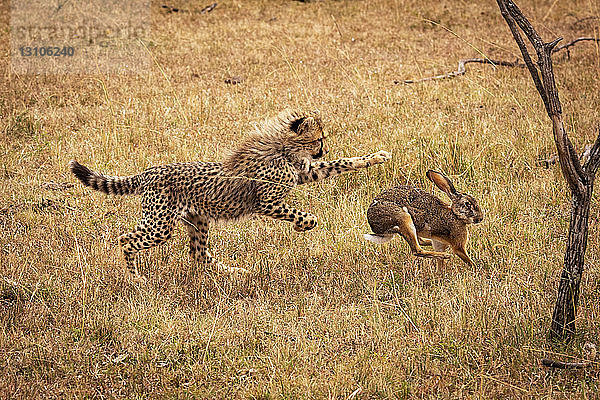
x=254, y=179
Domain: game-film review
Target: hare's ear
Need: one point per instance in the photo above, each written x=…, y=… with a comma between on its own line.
x=442, y=182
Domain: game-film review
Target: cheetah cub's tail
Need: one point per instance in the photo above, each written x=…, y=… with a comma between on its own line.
x=117, y=185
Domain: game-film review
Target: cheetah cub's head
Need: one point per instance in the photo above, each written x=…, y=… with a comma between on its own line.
x=308, y=137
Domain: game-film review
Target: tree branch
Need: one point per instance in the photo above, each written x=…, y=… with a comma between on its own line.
x=510, y=21
x=546, y=86
x=512, y=24
x=568, y=165
x=575, y=41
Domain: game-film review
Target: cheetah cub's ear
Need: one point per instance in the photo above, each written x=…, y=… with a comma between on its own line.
x=302, y=125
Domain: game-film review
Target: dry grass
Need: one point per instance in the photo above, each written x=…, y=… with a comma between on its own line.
x=327, y=314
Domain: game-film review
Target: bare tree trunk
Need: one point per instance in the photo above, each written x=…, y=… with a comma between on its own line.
x=563, y=318
x=580, y=178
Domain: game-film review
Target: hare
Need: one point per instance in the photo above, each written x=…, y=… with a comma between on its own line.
x=423, y=219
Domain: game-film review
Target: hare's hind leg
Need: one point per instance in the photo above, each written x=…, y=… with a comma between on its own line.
x=407, y=229
x=425, y=242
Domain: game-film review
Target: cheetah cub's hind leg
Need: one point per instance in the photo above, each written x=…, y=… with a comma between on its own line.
x=147, y=233
x=154, y=228
x=197, y=228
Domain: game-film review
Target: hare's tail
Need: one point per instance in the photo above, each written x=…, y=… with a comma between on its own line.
x=378, y=238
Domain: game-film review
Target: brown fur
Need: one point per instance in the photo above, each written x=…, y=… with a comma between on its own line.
x=423, y=219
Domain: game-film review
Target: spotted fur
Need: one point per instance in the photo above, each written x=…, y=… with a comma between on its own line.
x=254, y=179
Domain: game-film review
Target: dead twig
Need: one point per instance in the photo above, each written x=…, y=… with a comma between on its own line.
x=208, y=8
x=279, y=335
x=589, y=350
x=170, y=9
x=461, y=70
x=234, y=80
x=563, y=365
x=57, y=185
x=572, y=43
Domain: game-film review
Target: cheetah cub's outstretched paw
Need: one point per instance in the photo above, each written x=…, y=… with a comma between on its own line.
x=381, y=157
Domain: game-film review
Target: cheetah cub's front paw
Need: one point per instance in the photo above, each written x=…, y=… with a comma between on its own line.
x=380, y=157
x=306, y=224
x=137, y=278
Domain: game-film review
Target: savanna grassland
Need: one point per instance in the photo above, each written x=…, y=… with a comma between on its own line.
x=325, y=314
